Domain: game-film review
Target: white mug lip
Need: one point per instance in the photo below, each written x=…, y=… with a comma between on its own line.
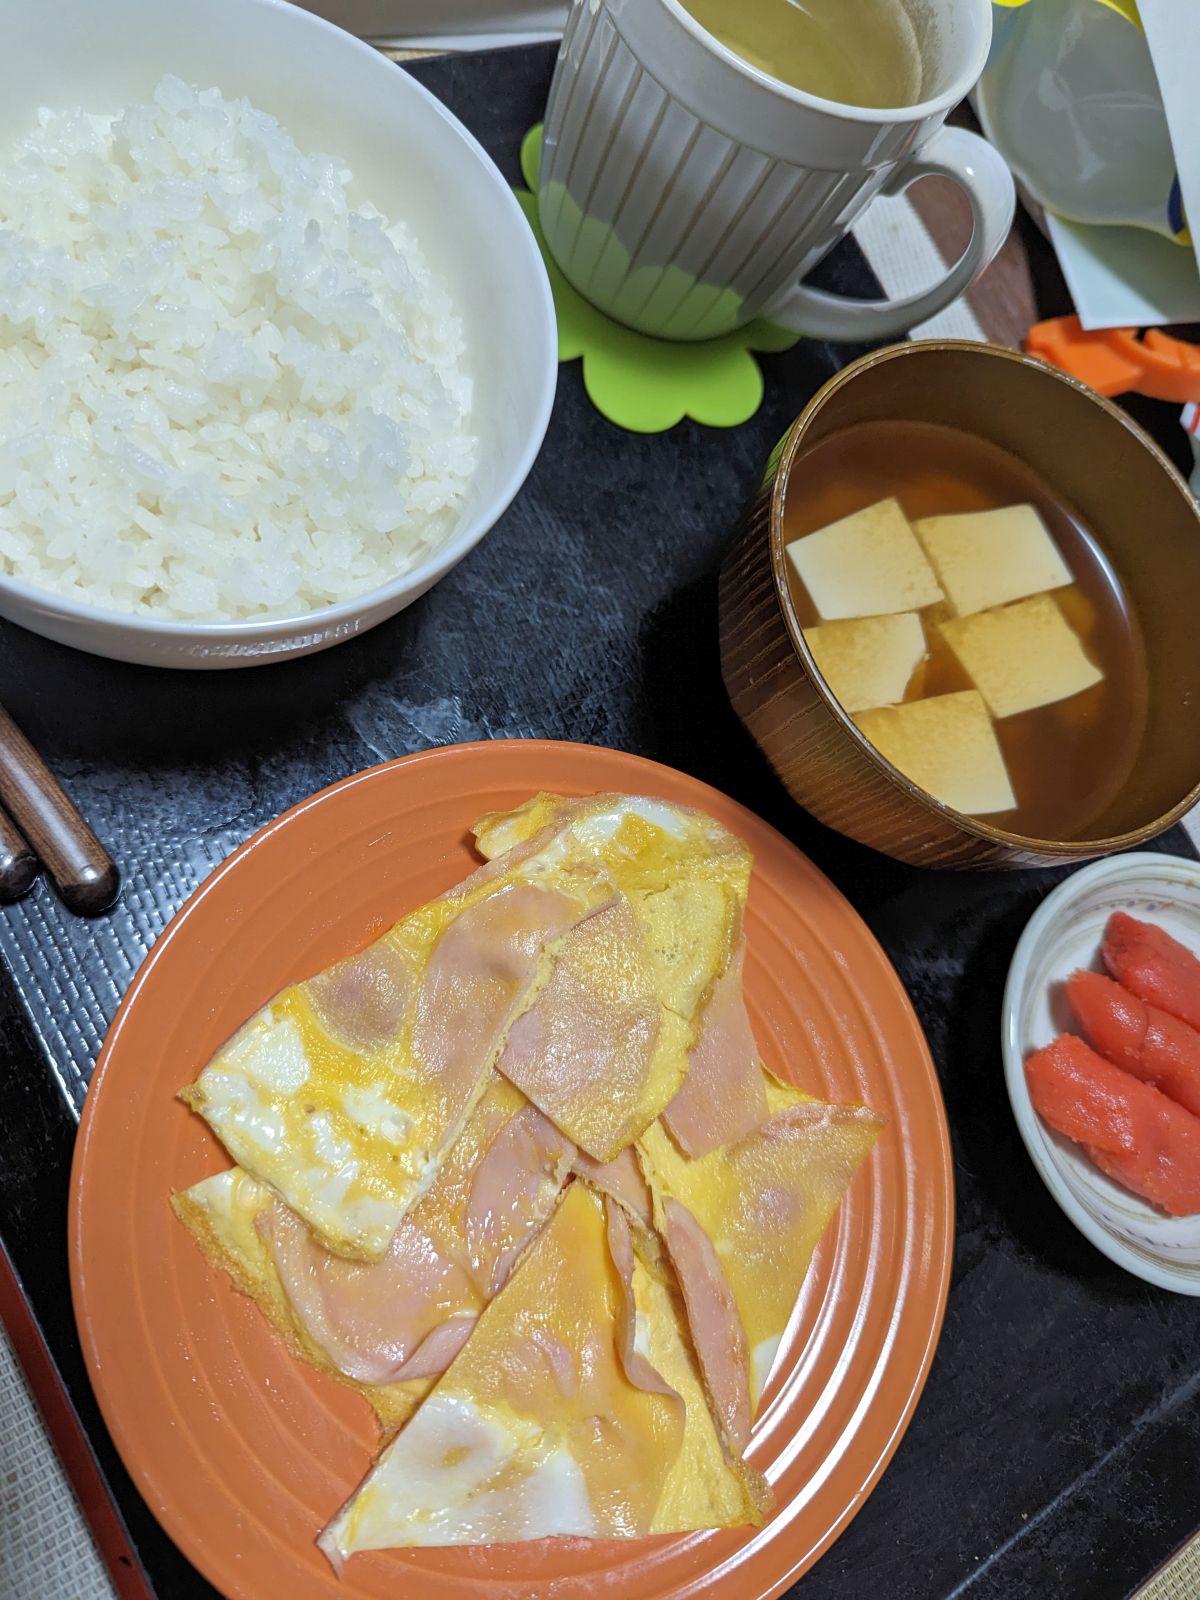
x=878, y=115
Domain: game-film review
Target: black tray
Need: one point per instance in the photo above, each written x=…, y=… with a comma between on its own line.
x=1058, y=1444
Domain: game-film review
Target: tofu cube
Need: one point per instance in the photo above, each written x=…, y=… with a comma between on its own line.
x=868, y=661
x=1021, y=656
x=985, y=559
x=946, y=745
x=866, y=565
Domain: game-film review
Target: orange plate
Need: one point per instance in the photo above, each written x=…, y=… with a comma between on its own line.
x=244, y=1453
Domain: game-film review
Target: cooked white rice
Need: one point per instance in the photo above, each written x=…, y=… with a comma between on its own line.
x=224, y=391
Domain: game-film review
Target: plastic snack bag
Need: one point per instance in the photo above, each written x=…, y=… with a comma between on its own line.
x=1071, y=100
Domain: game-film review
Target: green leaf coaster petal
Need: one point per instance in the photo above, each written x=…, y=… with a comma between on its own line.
x=644, y=384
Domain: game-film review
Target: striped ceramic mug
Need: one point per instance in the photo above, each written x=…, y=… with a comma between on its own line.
x=686, y=192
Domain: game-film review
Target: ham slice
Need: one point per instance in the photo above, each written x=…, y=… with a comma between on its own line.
x=763, y=1205
x=535, y=1430
x=637, y=1365
x=408, y=1314
x=369, y=1317
x=619, y=1179
x=514, y=1189
x=344, y=1092
x=362, y=1000
x=723, y=1097
x=716, y=1325
x=438, y=1349
x=480, y=970
x=584, y=1051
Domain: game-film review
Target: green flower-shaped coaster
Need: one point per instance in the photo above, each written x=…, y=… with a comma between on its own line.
x=644, y=384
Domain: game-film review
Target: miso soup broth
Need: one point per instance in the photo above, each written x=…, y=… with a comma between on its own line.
x=1067, y=761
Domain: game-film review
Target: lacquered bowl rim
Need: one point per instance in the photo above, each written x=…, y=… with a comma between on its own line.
x=794, y=442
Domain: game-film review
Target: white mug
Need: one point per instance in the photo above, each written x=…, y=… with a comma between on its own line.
x=686, y=193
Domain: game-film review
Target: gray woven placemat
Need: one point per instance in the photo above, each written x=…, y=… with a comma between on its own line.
x=1179, y=1579
x=46, y=1549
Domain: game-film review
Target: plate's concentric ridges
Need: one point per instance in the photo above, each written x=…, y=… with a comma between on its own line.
x=244, y=1453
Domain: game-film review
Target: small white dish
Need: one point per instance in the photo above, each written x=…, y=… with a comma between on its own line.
x=1063, y=934
x=412, y=158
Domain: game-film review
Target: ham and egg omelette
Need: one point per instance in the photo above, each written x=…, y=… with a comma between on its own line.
x=516, y=1174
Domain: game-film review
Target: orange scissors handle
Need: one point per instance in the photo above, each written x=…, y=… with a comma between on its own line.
x=1117, y=361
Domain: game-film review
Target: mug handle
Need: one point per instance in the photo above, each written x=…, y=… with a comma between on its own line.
x=980, y=171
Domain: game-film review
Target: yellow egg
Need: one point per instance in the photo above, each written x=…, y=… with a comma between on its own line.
x=707, y=1486
x=437, y=1089
x=535, y=1430
x=344, y=1092
x=765, y=1202
x=637, y=974
x=221, y=1213
x=363, y=1318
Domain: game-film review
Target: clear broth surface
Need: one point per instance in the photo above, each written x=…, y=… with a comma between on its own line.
x=857, y=52
x=1067, y=761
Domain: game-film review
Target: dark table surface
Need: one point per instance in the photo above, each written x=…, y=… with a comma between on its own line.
x=1056, y=1450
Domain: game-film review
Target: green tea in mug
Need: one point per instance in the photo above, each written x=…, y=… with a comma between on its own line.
x=858, y=52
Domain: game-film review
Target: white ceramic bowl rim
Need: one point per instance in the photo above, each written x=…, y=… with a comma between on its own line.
x=250, y=630
x=1134, y=866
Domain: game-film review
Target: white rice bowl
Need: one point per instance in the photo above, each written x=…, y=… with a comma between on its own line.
x=226, y=393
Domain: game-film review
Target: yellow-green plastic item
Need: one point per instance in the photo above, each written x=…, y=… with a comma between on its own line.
x=1125, y=8
x=648, y=385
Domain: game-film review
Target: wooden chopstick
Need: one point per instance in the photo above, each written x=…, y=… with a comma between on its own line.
x=80, y=867
x=18, y=864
